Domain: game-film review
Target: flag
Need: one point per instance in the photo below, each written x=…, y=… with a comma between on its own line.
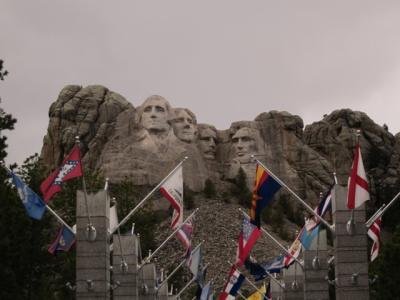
x=232, y=286
x=374, y=232
x=294, y=251
x=63, y=242
x=172, y=190
x=113, y=218
x=260, y=271
x=194, y=261
x=248, y=237
x=275, y=265
x=205, y=291
x=70, y=168
x=258, y=295
x=358, y=182
x=255, y=269
x=185, y=234
x=34, y=205
x=265, y=187
x=306, y=237
x=323, y=206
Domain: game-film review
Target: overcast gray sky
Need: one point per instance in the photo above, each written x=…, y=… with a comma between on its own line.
x=225, y=60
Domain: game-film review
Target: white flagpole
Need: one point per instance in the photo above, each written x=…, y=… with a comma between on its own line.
x=47, y=207
x=148, y=196
x=296, y=196
x=177, y=268
x=147, y=260
x=382, y=210
x=275, y=240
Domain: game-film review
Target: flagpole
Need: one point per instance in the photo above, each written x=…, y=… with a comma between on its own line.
x=177, y=268
x=190, y=282
x=147, y=260
x=275, y=240
x=350, y=226
x=295, y=195
x=47, y=207
x=241, y=295
x=382, y=210
x=148, y=196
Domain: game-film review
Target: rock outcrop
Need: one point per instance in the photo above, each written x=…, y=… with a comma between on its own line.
x=144, y=143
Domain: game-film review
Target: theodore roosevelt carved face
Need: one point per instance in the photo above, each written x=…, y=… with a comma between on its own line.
x=207, y=141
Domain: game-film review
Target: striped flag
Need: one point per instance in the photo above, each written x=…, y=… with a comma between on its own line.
x=294, y=250
x=232, y=286
x=185, y=234
x=172, y=190
x=358, y=182
x=374, y=232
x=324, y=205
x=247, y=239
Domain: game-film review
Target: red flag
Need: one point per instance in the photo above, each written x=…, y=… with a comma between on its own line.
x=374, y=232
x=70, y=168
x=358, y=184
x=294, y=250
x=248, y=237
x=172, y=190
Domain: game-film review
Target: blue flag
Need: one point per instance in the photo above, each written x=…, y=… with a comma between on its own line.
x=34, y=205
x=306, y=237
x=63, y=242
x=205, y=291
x=275, y=265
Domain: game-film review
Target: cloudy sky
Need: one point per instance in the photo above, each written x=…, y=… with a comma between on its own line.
x=226, y=60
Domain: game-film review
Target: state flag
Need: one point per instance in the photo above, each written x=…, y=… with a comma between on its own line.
x=34, y=205
x=358, y=183
x=306, y=237
x=172, y=190
x=194, y=261
x=185, y=234
x=265, y=187
x=374, y=232
x=69, y=169
x=233, y=285
x=248, y=237
x=294, y=250
x=63, y=242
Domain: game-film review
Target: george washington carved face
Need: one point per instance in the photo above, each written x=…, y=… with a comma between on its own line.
x=155, y=114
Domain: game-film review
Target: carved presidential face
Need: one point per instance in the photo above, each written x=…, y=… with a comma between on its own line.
x=208, y=142
x=244, y=144
x=154, y=117
x=184, y=124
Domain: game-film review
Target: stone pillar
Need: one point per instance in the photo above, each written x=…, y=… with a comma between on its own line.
x=92, y=257
x=351, y=257
x=294, y=272
x=276, y=290
x=163, y=292
x=147, y=282
x=128, y=281
x=316, y=287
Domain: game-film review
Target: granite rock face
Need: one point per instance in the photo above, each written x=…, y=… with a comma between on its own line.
x=144, y=143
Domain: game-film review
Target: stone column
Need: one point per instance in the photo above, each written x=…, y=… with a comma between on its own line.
x=163, y=292
x=292, y=292
x=316, y=287
x=92, y=257
x=276, y=290
x=147, y=282
x=127, y=281
x=351, y=258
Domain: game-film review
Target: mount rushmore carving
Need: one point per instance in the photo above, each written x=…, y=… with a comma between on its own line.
x=142, y=144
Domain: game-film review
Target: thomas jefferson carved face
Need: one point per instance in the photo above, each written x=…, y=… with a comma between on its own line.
x=207, y=142
x=244, y=144
x=184, y=124
x=155, y=112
